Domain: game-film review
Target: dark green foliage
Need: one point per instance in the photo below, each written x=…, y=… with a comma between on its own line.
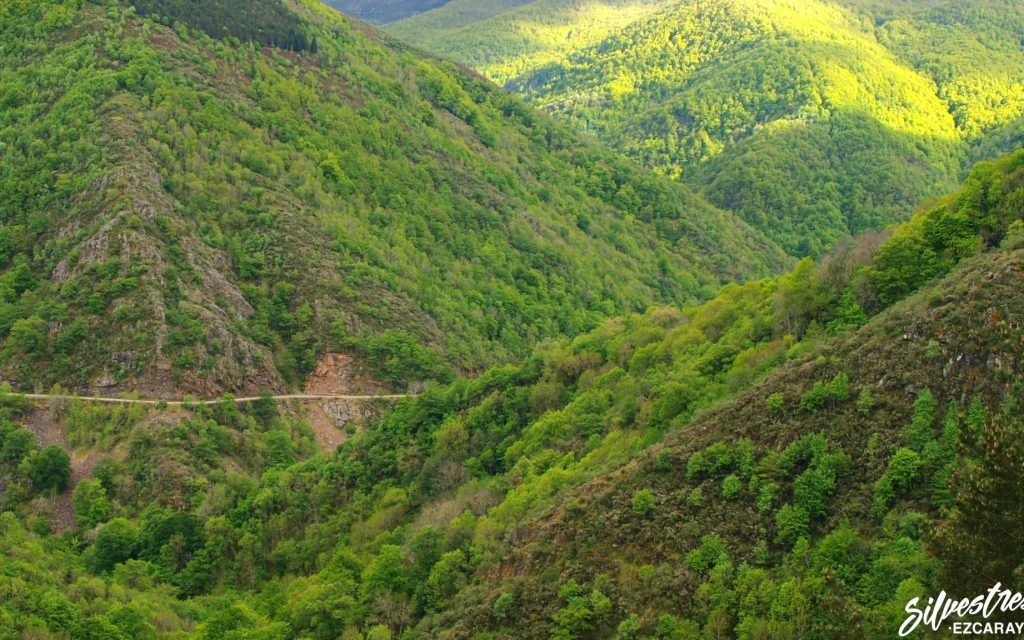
x=268, y=22
x=982, y=538
x=384, y=10
x=116, y=542
x=50, y=470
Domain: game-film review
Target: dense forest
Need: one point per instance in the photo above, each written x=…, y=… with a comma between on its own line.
x=813, y=121
x=384, y=10
x=639, y=419
x=796, y=457
x=267, y=22
x=183, y=212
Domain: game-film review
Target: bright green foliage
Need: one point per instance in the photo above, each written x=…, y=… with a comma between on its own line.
x=91, y=504
x=504, y=606
x=826, y=394
x=903, y=469
x=643, y=502
x=732, y=486
x=28, y=335
x=938, y=237
x=812, y=120
x=710, y=553
x=865, y=400
x=902, y=478
x=115, y=543
x=922, y=421
x=174, y=200
x=791, y=523
x=581, y=613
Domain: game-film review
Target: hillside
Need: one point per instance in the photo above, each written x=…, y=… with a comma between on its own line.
x=796, y=457
x=811, y=120
x=384, y=10
x=507, y=38
x=183, y=213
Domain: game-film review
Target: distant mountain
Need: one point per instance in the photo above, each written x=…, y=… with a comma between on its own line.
x=811, y=120
x=212, y=197
x=380, y=11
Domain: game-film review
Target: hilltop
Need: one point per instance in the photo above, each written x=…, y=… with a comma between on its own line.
x=811, y=120
x=207, y=197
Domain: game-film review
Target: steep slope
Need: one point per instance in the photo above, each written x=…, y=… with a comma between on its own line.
x=811, y=120
x=835, y=499
x=662, y=474
x=384, y=10
x=509, y=38
x=184, y=213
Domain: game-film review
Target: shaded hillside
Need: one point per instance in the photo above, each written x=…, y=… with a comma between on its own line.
x=384, y=10
x=197, y=214
x=811, y=120
x=775, y=461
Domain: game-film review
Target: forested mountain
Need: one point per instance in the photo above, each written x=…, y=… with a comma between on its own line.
x=611, y=441
x=384, y=10
x=181, y=212
x=812, y=120
x=504, y=39
x=795, y=458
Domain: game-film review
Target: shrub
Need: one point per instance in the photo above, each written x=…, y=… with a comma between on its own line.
x=922, y=420
x=628, y=628
x=776, y=402
x=821, y=394
x=91, y=504
x=766, y=497
x=29, y=336
x=731, y=486
x=115, y=543
x=882, y=494
x=379, y=632
x=710, y=552
x=903, y=469
x=710, y=461
x=810, y=447
x=865, y=400
x=791, y=523
x=503, y=606
x=643, y=502
x=50, y=470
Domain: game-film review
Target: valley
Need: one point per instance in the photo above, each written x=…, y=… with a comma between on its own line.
x=708, y=322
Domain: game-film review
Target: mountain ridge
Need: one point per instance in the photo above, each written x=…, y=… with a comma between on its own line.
x=241, y=210
x=810, y=124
